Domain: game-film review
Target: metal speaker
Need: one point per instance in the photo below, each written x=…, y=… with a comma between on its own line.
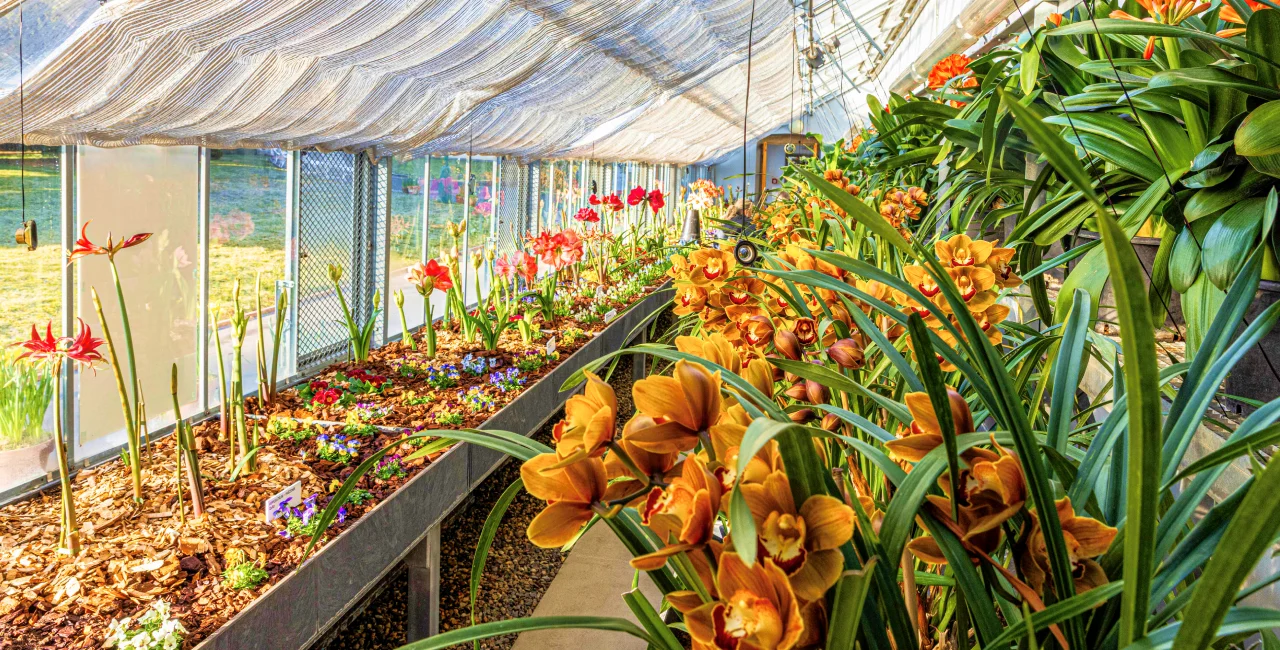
x=745, y=252
x=26, y=234
x=789, y=148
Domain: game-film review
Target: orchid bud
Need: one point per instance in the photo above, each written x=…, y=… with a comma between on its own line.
x=816, y=392
x=831, y=422
x=797, y=391
x=787, y=343
x=847, y=353
x=802, y=416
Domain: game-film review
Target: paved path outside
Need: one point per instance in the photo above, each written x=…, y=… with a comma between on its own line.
x=590, y=583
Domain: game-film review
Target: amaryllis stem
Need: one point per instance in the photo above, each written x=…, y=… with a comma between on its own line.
x=70, y=532
x=128, y=330
x=135, y=458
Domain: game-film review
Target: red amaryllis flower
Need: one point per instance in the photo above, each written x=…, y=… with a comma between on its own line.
x=655, y=200
x=636, y=196
x=85, y=248
x=430, y=276
x=588, y=215
x=614, y=202
x=593, y=200
x=82, y=349
x=528, y=268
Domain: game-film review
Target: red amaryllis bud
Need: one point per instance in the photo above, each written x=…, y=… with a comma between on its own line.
x=797, y=391
x=787, y=343
x=831, y=422
x=816, y=392
x=802, y=416
x=847, y=353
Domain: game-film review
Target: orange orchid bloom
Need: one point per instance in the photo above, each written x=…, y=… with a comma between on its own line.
x=590, y=421
x=974, y=284
x=687, y=507
x=925, y=434
x=650, y=465
x=713, y=347
x=1086, y=539
x=756, y=330
x=998, y=262
x=690, y=299
x=992, y=489
x=712, y=266
x=572, y=493
x=756, y=609
x=960, y=250
x=672, y=411
x=803, y=542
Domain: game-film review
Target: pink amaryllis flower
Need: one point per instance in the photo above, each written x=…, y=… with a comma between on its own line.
x=655, y=200
x=85, y=248
x=429, y=277
x=570, y=248
x=81, y=349
x=637, y=196
x=505, y=266
x=588, y=215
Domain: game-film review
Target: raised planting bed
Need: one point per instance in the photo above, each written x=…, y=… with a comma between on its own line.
x=299, y=609
x=138, y=554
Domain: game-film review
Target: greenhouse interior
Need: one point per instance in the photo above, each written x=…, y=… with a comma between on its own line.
x=711, y=324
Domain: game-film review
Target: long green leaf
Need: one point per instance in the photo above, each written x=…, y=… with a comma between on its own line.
x=1066, y=369
x=530, y=624
x=487, y=533
x=1061, y=611
x=1140, y=373
x=846, y=609
x=1251, y=532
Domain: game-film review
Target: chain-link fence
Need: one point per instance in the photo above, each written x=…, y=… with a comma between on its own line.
x=512, y=211
x=341, y=223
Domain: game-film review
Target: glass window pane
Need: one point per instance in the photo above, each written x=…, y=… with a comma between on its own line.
x=126, y=191
x=29, y=295
x=406, y=238
x=247, y=190
x=444, y=187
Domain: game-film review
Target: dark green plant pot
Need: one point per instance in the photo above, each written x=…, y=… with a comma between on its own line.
x=1254, y=377
x=1146, y=248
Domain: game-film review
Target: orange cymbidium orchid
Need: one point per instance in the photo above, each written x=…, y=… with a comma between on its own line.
x=1165, y=12
x=960, y=250
x=640, y=469
x=672, y=411
x=741, y=291
x=925, y=434
x=998, y=262
x=573, y=493
x=681, y=268
x=975, y=285
x=713, y=347
x=803, y=542
x=590, y=421
x=690, y=298
x=1086, y=539
x=685, y=509
x=757, y=331
x=756, y=609
x=992, y=489
x=712, y=266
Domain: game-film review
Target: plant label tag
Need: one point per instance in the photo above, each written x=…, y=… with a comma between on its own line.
x=291, y=495
x=551, y=346
x=610, y=315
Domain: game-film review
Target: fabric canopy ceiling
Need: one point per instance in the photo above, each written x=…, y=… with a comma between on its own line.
x=649, y=80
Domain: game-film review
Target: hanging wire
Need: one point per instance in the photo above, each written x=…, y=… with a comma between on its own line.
x=746, y=100
x=22, y=126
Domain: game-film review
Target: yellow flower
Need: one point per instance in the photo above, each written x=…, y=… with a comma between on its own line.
x=714, y=347
x=925, y=434
x=590, y=420
x=803, y=543
x=570, y=492
x=1086, y=539
x=756, y=609
x=960, y=250
x=673, y=410
x=690, y=299
x=712, y=266
x=687, y=508
x=992, y=489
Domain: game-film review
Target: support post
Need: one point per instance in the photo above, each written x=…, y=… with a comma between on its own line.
x=423, y=610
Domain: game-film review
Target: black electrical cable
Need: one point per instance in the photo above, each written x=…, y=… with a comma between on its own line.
x=746, y=101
